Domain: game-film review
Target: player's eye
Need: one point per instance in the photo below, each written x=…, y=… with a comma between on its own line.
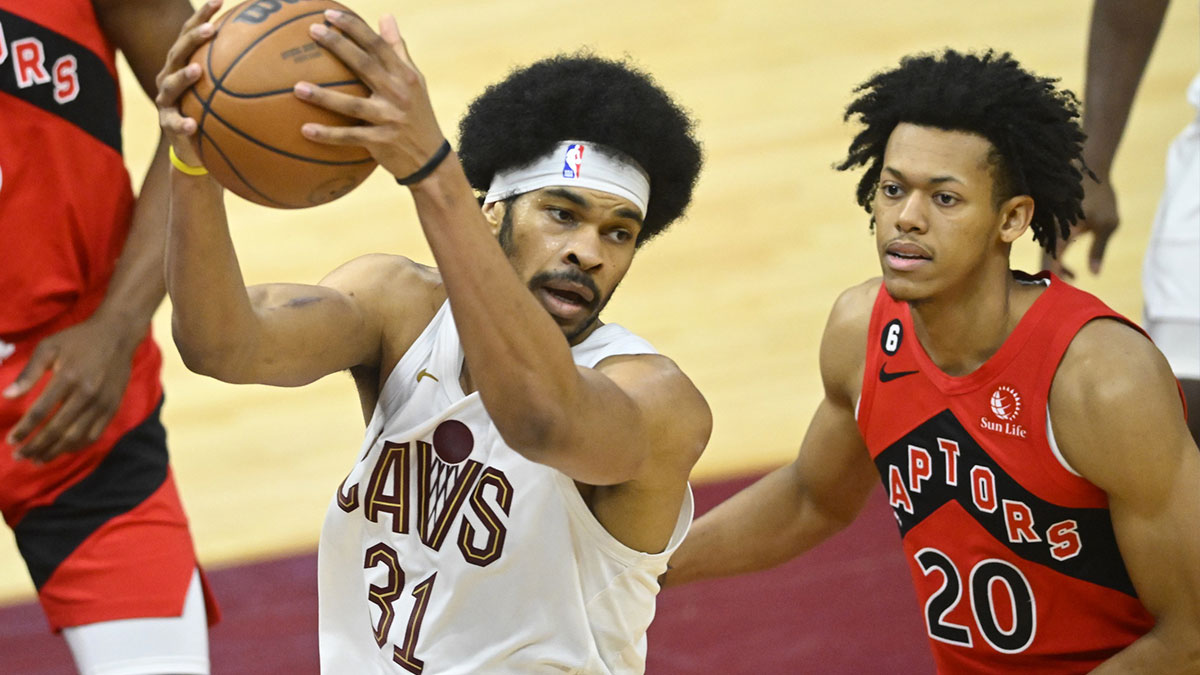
x=889, y=190
x=561, y=215
x=945, y=199
x=621, y=235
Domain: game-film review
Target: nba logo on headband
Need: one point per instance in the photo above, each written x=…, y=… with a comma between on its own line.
x=608, y=171
x=573, y=160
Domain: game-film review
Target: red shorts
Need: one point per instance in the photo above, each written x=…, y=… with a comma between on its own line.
x=102, y=530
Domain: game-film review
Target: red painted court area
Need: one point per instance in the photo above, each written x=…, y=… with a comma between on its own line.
x=845, y=608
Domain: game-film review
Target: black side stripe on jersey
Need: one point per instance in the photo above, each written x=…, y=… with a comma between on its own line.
x=95, y=109
x=1099, y=560
x=133, y=470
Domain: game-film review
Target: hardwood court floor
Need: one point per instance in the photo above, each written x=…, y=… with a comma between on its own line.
x=737, y=294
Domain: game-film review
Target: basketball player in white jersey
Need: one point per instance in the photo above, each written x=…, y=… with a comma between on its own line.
x=523, y=479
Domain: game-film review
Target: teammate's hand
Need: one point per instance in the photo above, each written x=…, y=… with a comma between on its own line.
x=89, y=366
x=400, y=130
x=177, y=75
x=1100, y=219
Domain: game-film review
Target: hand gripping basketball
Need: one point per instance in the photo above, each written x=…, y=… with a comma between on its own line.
x=177, y=76
x=399, y=128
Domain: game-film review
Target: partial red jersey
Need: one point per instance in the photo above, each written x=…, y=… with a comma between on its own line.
x=65, y=197
x=1012, y=553
x=101, y=530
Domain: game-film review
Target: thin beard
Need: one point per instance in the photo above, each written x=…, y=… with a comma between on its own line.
x=505, y=237
x=506, y=231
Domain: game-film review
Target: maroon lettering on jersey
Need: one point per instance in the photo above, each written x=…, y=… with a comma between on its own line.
x=483, y=554
x=391, y=469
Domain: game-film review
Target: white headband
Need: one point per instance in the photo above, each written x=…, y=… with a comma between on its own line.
x=578, y=164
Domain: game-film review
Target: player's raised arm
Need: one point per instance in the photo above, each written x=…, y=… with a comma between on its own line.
x=595, y=425
x=222, y=329
x=1116, y=413
x=803, y=503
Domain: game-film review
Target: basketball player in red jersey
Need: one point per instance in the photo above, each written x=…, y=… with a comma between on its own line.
x=1031, y=441
x=84, y=477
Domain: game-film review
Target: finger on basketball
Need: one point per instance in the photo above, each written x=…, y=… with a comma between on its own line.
x=175, y=124
x=174, y=84
x=195, y=32
x=357, y=30
x=359, y=107
x=366, y=53
x=336, y=135
x=357, y=60
x=390, y=32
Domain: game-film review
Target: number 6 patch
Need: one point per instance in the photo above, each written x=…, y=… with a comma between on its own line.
x=893, y=333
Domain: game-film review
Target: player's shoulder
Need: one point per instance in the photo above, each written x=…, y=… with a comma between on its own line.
x=844, y=343
x=850, y=317
x=387, y=275
x=854, y=305
x=1109, y=362
x=656, y=377
x=669, y=399
x=1113, y=402
x=1111, y=378
x=391, y=288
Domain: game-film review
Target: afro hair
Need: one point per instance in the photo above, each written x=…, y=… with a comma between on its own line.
x=586, y=98
x=1033, y=128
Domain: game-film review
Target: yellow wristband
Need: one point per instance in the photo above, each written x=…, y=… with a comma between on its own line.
x=184, y=167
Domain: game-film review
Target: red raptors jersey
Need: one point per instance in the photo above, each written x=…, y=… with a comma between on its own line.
x=1013, y=555
x=65, y=197
x=65, y=206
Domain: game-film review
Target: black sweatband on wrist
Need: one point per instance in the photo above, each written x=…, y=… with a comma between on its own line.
x=423, y=172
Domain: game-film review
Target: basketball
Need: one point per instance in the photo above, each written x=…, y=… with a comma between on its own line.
x=249, y=120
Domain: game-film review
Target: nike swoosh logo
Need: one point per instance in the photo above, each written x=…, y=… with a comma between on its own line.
x=885, y=376
x=426, y=373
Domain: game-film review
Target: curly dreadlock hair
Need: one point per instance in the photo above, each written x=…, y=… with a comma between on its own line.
x=587, y=98
x=1033, y=128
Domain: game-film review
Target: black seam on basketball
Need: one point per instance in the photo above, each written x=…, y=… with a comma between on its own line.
x=285, y=153
x=234, y=169
x=208, y=63
x=234, y=94
x=218, y=84
x=199, y=123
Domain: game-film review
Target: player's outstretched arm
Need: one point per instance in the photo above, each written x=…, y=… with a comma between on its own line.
x=803, y=503
x=1118, y=419
x=601, y=427
x=281, y=334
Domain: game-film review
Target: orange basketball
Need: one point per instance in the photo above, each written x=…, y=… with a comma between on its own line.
x=249, y=120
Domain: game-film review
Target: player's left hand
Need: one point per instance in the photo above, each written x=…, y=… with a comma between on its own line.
x=89, y=365
x=1100, y=220
x=400, y=130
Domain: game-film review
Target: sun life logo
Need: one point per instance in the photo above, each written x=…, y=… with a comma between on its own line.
x=1005, y=403
x=573, y=161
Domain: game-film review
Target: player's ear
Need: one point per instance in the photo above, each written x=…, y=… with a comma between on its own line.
x=1015, y=213
x=494, y=213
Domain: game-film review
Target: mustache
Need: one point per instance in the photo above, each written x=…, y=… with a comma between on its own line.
x=571, y=275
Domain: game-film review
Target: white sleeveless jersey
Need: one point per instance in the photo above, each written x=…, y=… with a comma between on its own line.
x=447, y=552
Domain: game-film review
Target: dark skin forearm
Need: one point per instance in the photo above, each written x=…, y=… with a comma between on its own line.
x=137, y=288
x=1155, y=653
x=1122, y=36
x=500, y=320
